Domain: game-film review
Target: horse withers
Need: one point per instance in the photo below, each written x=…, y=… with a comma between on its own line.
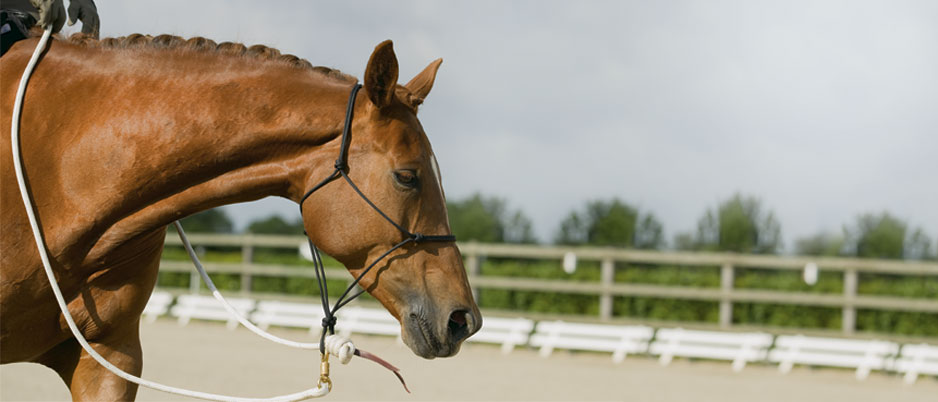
x=124, y=135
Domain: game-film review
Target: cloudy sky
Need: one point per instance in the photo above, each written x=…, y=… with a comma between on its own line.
x=823, y=109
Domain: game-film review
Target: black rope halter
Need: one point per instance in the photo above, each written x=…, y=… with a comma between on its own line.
x=341, y=165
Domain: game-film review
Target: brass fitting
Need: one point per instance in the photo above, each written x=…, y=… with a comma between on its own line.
x=324, y=371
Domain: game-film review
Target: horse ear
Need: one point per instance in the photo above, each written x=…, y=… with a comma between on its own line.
x=421, y=84
x=381, y=74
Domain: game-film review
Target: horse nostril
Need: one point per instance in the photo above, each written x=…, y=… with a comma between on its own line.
x=458, y=328
x=458, y=317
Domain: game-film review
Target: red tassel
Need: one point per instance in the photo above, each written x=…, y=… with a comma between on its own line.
x=385, y=364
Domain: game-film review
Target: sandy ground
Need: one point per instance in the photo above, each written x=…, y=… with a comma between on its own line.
x=207, y=357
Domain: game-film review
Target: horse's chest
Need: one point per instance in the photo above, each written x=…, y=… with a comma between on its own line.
x=108, y=296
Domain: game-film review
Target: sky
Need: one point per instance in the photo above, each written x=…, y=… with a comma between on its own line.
x=822, y=109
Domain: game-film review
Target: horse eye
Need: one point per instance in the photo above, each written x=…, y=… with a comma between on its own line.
x=406, y=178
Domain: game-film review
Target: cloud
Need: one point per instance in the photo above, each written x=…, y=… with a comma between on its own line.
x=823, y=109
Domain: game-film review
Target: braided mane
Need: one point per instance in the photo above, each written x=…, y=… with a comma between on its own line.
x=200, y=44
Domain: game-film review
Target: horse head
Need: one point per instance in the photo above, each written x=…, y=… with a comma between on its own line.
x=423, y=284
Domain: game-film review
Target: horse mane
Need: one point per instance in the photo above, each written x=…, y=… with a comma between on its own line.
x=200, y=44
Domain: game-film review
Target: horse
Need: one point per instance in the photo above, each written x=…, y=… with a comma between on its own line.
x=122, y=136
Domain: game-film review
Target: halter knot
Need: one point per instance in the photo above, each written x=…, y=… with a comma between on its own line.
x=418, y=237
x=328, y=322
x=340, y=165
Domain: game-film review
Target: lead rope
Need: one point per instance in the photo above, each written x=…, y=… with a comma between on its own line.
x=321, y=389
x=335, y=345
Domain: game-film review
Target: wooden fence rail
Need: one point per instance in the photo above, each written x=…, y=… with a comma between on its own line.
x=606, y=289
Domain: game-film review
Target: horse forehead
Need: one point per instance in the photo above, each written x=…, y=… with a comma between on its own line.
x=404, y=138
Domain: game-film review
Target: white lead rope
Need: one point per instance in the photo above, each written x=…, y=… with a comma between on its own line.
x=321, y=390
x=336, y=345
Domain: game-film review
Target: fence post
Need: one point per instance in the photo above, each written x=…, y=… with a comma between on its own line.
x=727, y=277
x=194, y=281
x=473, y=268
x=247, y=258
x=607, y=275
x=849, y=315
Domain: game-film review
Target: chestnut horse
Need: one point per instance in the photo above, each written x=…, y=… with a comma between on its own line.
x=121, y=137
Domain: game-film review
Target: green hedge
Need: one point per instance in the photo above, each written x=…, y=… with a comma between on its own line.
x=773, y=315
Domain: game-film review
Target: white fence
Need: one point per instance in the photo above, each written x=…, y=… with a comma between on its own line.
x=740, y=348
x=916, y=359
x=621, y=340
x=910, y=360
x=863, y=355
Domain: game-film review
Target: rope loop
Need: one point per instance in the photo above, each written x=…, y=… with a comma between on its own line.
x=340, y=347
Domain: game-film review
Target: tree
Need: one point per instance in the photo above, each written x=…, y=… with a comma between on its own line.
x=878, y=236
x=209, y=221
x=685, y=242
x=487, y=219
x=821, y=244
x=739, y=224
x=610, y=223
x=918, y=246
x=885, y=236
x=649, y=233
x=519, y=229
x=275, y=224
x=572, y=230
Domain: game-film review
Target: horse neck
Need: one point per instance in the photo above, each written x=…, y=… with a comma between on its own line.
x=226, y=132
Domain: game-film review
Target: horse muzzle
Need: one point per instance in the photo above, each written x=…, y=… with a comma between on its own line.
x=430, y=334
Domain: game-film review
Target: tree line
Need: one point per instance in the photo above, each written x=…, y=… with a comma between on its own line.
x=740, y=223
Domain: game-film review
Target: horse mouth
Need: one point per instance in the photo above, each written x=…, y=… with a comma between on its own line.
x=424, y=340
x=420, y=337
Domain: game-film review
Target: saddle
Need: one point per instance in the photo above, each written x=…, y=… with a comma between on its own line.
x=14, y=26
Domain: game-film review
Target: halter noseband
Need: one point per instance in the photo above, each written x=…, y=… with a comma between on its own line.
x=341, y=165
